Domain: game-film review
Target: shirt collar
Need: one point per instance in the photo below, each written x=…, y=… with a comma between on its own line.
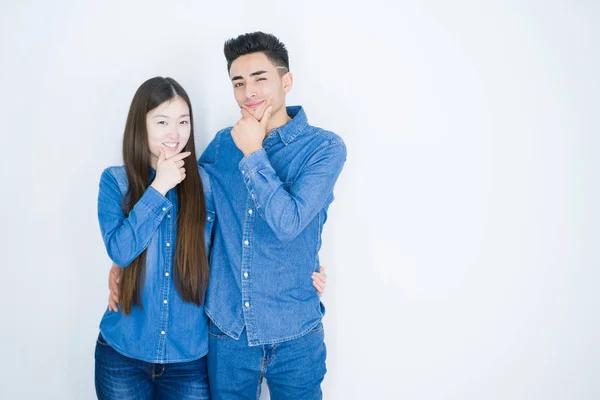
x=294, y=127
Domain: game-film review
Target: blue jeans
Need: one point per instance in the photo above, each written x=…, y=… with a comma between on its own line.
x=121, y=378
x=293, y=369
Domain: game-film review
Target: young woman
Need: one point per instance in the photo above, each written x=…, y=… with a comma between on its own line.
x=155, y=222
x=156, y=217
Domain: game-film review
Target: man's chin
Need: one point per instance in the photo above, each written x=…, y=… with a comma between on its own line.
x=257, y=112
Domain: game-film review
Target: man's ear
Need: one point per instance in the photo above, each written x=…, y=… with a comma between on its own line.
x=287, y=81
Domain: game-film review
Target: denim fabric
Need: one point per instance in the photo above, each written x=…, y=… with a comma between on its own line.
x=167, y=329
x=122, y=378
x=272, y=205
x=293, y=369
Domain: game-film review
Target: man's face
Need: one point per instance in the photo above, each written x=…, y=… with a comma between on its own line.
x=257, y=84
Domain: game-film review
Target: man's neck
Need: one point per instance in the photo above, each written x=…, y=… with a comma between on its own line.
x=278, y=120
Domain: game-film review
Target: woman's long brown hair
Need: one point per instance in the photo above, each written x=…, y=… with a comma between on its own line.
x=191, y=269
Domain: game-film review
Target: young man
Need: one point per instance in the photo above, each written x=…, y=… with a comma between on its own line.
x=272, y=175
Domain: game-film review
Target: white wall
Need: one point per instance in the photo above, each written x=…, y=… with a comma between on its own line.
x=461, y=247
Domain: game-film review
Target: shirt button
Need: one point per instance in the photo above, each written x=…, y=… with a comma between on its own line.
x=253, y=196
x=166, y=274
x=246, y=242
x=250, y=212
x=243, y=172
x=168, y=215
x=247, y=304
x=245, y=274
x=164, y=208
x=164, y=301
x=208, y=218
x=163, y=332
x=168, y=244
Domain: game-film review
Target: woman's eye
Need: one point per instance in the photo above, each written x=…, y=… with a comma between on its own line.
x=162, y=122
x=184, y=122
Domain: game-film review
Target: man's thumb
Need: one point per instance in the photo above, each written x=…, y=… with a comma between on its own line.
x=265, y=118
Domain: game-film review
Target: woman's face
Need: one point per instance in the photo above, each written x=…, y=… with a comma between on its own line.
x=169, y=128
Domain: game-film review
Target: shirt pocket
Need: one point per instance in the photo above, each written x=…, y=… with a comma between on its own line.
x=209, y=224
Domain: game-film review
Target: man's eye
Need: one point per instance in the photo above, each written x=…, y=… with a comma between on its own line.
x=261, y=79
x=239, y=84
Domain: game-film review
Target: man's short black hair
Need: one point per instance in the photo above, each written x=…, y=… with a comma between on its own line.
x=257, y=42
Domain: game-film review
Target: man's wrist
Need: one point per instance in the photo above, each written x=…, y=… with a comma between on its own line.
x=248, y=152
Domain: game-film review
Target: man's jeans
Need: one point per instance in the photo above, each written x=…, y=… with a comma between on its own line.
x=293, y=369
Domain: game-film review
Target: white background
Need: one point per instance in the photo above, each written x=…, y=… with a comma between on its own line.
x=461, y=247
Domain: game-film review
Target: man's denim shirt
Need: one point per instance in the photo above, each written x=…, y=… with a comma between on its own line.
x=272, y=205
x=168, y=329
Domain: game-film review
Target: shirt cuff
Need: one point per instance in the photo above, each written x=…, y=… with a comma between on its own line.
x=253, y=162
x=155, y=202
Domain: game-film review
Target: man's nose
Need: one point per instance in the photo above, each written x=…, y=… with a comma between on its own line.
x=250, y=91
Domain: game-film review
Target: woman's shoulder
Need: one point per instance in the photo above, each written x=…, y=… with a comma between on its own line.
x=115, y=173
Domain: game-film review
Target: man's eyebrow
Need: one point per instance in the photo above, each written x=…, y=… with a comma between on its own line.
x=258, y=73
x=238, y=77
